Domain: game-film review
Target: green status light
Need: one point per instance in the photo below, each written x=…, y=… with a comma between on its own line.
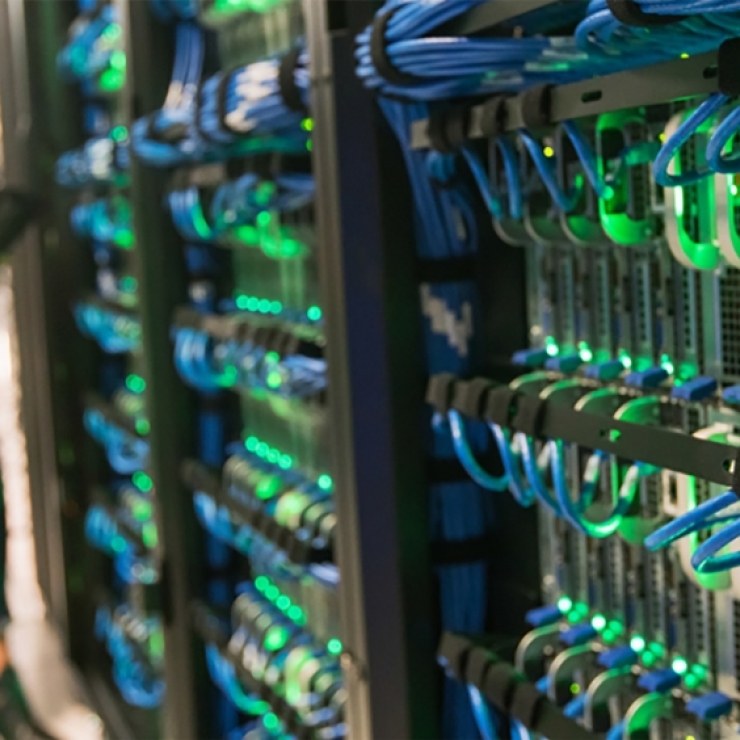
x=135, y=383
x=334, y=646
x=680, y=665
x=584, y=352
x=598, y=622
x=637, y=643
x=142, y=481
x=325, y=482
x=551, y=347
x=565, y=604
x=270, y=721
x=314, y=313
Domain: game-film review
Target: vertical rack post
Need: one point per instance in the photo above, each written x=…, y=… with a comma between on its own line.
x=374, y=348
x=161, y=288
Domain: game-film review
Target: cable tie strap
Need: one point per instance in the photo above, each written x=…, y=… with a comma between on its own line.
x=529, y=415
x=469, y=397
x=448, y=129
x=379, y=53
x=526, y=704
x=728, y=67
x=451, y=270
x=501, y=405
x=499, y=685
x=440, y=390
x=289, y=91
x=492, y=117
x=461, y=552
x=479, y=662
x=536, y=103
x=453, y=653
x=630, y=13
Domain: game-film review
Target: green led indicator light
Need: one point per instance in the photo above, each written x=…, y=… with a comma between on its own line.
x=118, y=60
x=262, y=449
x=135, y=383
x=551, y=346
x=334, y=646
x=273, y=456
x=616, y=627
x=314, y=313
x=285, y=462
x=307, y=124
x=691, y=681
x=264, y=305
x=252, y=303
x=120, y=133
x=149, y=535
x=261, y=583
x=309, y=145
x=667, y=364
x=637, y=643
x=276, y=307
x=598, y=622
x=270, y=721
x=680, y=665
x=272, y=592
x=251, y=444
x=325, y=482
x=143, y=427
x=283, y=603
x=264, y=218
x=296, y=613
x=272, y=357
x=584, y=351
x=565, y=604
x=274, y=380
x=699, y=671
x=241, y=302
x=118, y=544
x=575, y=689
x=142, y=481
x=549, y=152
x=608, y=636
x=657, y=649
x=648, y=659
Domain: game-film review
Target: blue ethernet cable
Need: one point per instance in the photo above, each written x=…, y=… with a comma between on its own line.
x=719, y=510
x=483, y=714
x=668, y=152
x=723, y=135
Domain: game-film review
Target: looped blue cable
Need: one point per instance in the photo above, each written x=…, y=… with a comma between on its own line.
x=565, y=202
x=535, y=467
x=493, y=203
x=575, y=511
x=512, y=463
x=482, y=713
x=467, y=458
x=716, y=511
x=683, y=133
x=588, y=160
x=726, y=164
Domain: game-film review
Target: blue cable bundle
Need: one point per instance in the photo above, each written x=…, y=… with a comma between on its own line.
x=126, y=454
x=104, y=220
x=95, y=44
x=254, y=103
x=256, y=115
x=721, y=511
x=237, y=203
x=115, y=333
x=100, y=161
x=137, y=682
x=422, y=66
x=446, y=228
x=103, y=533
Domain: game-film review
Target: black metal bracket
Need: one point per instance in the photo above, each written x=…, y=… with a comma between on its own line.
x=301, y=552
x=113, y=414
x=212, y=630
x=653, y=445
x=273, y=337
x=655, y=85
x=471, y=660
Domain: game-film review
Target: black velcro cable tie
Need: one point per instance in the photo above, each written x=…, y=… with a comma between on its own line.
x=452, y=654
x=439, y=391
x=479, y=662
x=492, y=117
x=525, y=704
x=289, y=91
x=461, y=552
x=501, y=405
x=447, y=128
x=379, y=54
x=445, y=470
x=469, y=397
x=499, y=685
x=452, y=270
x=630, y=13
x=728, y=67
x=529, y=415
x=535, y=106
